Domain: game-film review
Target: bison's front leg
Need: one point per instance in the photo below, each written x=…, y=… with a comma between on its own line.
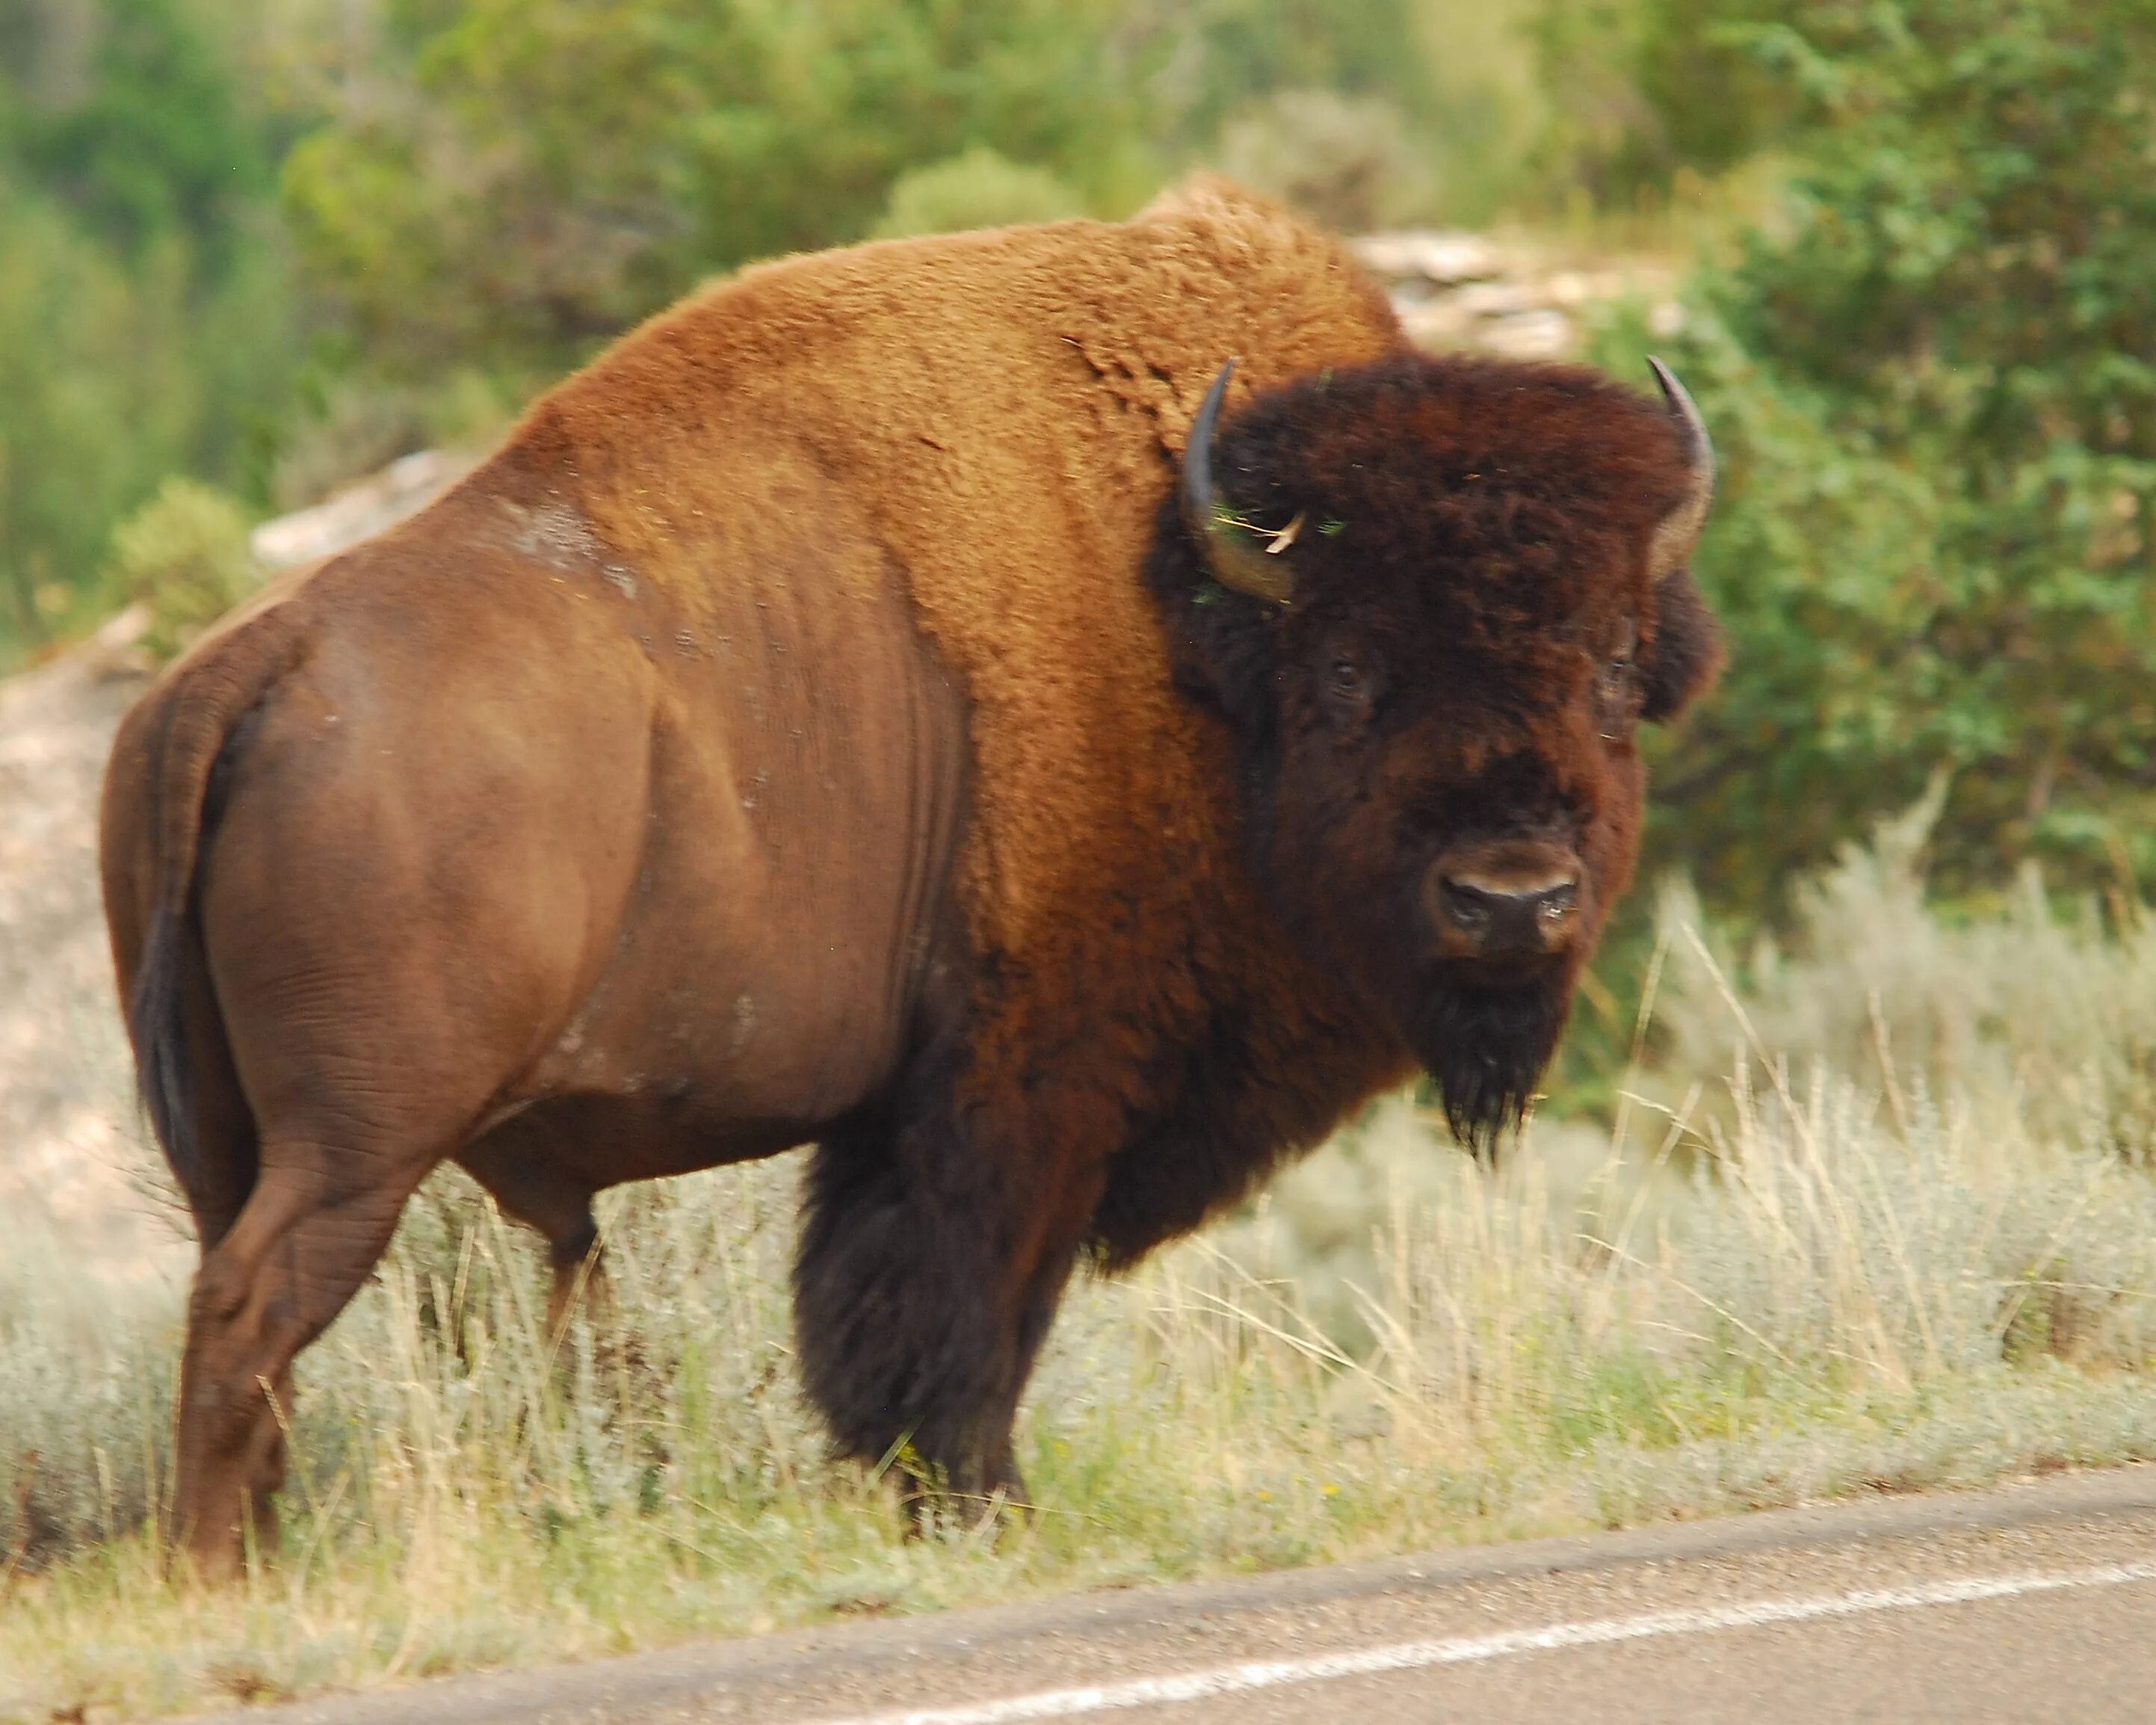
x=931, y=1261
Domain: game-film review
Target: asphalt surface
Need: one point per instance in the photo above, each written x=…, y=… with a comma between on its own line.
x=2033, y=1603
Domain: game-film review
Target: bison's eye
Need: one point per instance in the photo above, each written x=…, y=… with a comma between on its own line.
x=1617, y=685
x=1347, y=689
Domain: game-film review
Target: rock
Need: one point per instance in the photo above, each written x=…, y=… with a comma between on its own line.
x=1456, y=291
x=1541, y=334
x=404, y=488
x=1446, y=258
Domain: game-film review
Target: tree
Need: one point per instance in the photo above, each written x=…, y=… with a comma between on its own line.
x=1639, y=89
x=549, y=171
x=143, y=306
x=1934, y=381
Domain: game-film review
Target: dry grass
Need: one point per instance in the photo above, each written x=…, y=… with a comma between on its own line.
x=2023, y=1010
x=1783, y=1287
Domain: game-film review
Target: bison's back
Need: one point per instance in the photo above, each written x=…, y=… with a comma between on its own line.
x=1005, y=409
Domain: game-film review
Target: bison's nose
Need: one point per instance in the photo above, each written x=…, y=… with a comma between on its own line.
x=1493, y=915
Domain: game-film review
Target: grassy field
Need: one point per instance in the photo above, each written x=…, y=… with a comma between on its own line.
x=1877, y=1217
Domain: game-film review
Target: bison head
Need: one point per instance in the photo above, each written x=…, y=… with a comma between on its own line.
x=1432, y=600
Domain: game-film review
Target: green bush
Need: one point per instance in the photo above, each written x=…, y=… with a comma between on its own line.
x=184, y=554
x=1637, y=90
x=550, y=172
x=978, y=189
x=1932, y=380
x=1344, y=161
x=146, y=318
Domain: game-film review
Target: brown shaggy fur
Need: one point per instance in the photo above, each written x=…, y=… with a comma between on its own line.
x=999, y=401
x=1479, y=543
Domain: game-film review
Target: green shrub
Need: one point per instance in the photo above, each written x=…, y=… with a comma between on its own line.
x=2038, y=1009
x=1342, y=160
x=146, y=324
x=1933, y=379
x=978, y=189
x=547, y=174
x=1637, y=90
x=185, y=553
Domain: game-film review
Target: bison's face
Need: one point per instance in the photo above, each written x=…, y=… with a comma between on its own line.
x=1432, y=601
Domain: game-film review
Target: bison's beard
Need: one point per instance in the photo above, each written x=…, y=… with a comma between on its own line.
x=1486, y=1048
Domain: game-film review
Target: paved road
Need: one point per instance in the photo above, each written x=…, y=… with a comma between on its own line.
x=2036, y=1603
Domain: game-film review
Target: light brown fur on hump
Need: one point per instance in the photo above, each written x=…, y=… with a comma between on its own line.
x=1006, y=405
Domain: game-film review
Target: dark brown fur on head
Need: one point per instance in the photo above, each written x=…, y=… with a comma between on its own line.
x=1473, y=637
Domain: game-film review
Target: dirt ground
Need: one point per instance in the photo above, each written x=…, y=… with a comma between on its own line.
x=74, y=1152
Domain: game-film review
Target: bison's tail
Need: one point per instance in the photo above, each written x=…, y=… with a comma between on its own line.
x=201, y=709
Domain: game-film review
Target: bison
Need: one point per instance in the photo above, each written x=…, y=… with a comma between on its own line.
x=910, y=701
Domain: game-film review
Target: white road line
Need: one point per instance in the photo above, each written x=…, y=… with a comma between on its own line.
x=1459, y=1650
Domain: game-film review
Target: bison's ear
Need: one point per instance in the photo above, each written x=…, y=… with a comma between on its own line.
x=1224, y=660
x=1687, y=655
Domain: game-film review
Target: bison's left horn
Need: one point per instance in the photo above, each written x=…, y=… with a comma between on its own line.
x=1230, y=556
x=1679, y=532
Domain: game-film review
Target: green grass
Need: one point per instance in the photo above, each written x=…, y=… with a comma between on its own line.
x=1773, y=1289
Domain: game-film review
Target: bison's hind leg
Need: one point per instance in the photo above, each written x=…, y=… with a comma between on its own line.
x=317, y=1221
x=516, y=1164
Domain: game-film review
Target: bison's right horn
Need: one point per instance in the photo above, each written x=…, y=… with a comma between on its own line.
x=1679, y=532
x=1230, y=556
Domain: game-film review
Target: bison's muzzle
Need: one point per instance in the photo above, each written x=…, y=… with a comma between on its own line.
x=1510, y=903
